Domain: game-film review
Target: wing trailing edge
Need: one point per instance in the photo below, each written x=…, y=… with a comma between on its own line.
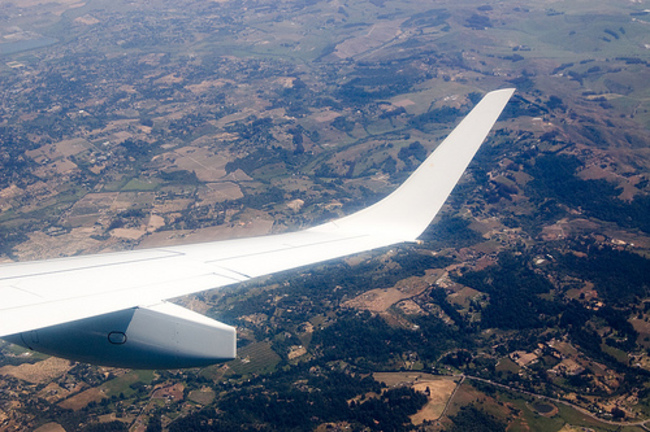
x=41, y=294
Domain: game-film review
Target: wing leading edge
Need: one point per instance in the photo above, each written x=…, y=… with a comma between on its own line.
x=52, y=292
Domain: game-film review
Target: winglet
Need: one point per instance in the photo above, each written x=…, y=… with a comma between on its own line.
x=405, y=214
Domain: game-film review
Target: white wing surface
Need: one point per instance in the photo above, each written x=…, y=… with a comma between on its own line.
x=39, y=294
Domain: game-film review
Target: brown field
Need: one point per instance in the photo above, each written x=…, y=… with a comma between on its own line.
x=439, y=388
x=635, y=240
x=107, y=418
x=217, y=192
x=487, y=247
x=206, y=85
x=40, y=372
x=82, y=399
x=523, y=358
x=173, y=392
x=128, y=233
x=11, y=192
x=241, y=115
x=296, y=351
x=41, y=245
x=173, y=206
x=463, y=296
x=94, y=202
x=564, y=348
x=392, y=379
x=506, y=364
x=237, y=176
x=557, y=231
x=325, y=116
x=172, y=78
x=89, y=209
x=440, y=391
x=466, y=394
x=82, y=221
x=72, y=147
x=245, y=229
x=53, y=393
x=87, y=19
x=377, y=35
x=203, y=396
x=569, y=428
x=58, y=167
x=125, y=200
x=643, y=328
x=207, y=165
x=377, y=300
x=486, y=226
x=155, y=222
x=596, y=172
x=50, y=427
x=403, y=103
x=62, y=149
x=582, y=225
x=409, y=307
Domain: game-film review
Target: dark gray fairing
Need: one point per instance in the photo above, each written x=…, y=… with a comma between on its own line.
x=162, y=337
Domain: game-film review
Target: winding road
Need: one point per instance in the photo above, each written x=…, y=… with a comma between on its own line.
x=643, y=423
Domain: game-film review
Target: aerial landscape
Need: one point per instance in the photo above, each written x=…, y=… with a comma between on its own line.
x=128, y=125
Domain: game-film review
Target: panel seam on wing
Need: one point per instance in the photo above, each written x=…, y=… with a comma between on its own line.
x=89, y=267
x=288, y=247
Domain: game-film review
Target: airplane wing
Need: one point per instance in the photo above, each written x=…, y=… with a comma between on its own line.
x=58, y=306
